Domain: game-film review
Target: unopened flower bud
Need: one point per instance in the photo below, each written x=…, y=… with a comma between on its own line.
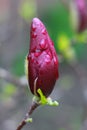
x=42, y=60
x=78, y=10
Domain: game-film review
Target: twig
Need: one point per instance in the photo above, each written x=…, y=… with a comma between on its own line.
x=5, y=75
x=24, y=122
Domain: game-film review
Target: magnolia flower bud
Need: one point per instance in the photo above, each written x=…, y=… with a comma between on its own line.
x=42, y=60
x=78, y=10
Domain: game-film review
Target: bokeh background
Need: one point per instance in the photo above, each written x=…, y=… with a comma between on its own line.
x=71, y=87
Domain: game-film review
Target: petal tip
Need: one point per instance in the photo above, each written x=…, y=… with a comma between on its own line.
x=36, y=20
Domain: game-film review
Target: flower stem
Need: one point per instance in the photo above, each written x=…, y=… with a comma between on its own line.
x=27, y=117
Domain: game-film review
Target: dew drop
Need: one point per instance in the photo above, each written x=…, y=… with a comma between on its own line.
x=33, y=49
x=43, y=44
x=44, y=31
x=36, y=54
x=34, y=35
x=47, y=59
x=49, y=53
x=32, y=59
x=55, y=60
x=33, y=27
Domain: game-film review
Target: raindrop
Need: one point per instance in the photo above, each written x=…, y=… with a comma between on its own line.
x=33, y=27
x=33, y=49
x=49, y=53
x=31, y=57
x=47, y=59
x=43, y=44
x=55, y=60
x=44, y=31
x=36, y=54
x=34, y=35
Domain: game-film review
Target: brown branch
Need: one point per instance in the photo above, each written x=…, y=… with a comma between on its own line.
x=5, y=75
x=20, y=82
x=24, y=122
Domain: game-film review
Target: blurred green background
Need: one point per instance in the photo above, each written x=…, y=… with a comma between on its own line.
x=71, y=88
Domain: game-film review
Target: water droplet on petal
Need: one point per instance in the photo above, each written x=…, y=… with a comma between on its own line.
x=33, y=49
x=43, y=44
x=47, y=59
x=33, y=27
x=44, y=31
x=32, y=59
x=37, y=53
x=34, y=35
x=55, y=60
x=49, y=53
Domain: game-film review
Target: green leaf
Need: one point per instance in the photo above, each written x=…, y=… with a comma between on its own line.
x=46, y=101
x=28, y=9
x=28, y=120
x=43, y=99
